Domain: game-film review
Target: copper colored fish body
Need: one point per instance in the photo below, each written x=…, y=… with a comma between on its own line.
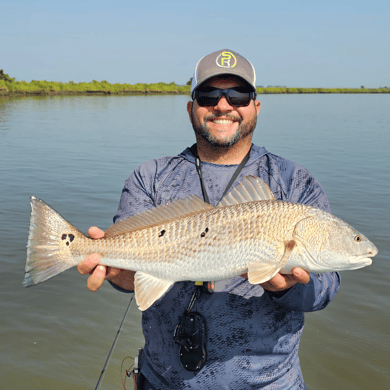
x=188, y=239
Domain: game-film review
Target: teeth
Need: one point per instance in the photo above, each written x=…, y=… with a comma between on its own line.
x=223, y=121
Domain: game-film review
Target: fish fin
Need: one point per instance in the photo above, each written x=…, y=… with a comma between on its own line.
x=250, y=189
x=262, y=272
x=149, y=289
x=50, y=239
x=179, y=208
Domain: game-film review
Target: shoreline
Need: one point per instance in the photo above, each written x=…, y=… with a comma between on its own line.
x=146, y=93
x=49, y=88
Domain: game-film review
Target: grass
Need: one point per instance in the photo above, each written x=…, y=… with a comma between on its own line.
x=104, y=87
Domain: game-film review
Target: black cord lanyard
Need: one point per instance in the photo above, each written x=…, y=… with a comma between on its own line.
x=194, y=151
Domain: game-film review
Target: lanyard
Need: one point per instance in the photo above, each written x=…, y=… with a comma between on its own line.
x=194, y=151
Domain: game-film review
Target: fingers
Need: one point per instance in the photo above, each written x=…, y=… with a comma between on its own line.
x=97, y=277
x=95, y=232
x=300, y=275
x=88, y=264
x=279, y=283
x=283, y=282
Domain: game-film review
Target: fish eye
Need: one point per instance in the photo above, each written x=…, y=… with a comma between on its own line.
x=358, y=238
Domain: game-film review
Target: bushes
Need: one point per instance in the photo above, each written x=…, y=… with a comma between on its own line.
x=52, y=87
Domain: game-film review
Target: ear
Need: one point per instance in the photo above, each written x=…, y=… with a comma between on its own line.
x=189, y=108
x=257, y=106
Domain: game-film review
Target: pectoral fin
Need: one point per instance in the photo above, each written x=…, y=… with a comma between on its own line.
x=262, y=272
x=148, y=289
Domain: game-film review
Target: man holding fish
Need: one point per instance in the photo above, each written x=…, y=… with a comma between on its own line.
x=231, y=333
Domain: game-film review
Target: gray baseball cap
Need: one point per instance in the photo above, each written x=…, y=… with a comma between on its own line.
x=223, y=62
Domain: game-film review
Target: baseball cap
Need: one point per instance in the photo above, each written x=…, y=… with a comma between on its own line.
x=223, y=62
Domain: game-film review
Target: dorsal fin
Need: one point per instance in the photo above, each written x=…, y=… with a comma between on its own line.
x=179, y=208
x=250, y=188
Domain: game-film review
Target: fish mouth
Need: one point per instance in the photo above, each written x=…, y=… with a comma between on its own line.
x=362, y=260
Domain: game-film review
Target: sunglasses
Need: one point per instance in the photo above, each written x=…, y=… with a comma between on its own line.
x=209, y=96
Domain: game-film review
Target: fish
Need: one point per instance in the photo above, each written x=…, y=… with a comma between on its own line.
x=249, y=231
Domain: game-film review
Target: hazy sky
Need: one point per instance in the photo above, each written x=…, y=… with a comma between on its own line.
x=297, y=43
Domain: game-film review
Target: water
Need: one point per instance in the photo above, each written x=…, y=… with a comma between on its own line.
x=76, y=152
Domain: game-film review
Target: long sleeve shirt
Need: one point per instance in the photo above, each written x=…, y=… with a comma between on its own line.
x=252, y=335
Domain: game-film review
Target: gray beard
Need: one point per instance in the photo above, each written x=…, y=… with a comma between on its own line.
x=242, y=131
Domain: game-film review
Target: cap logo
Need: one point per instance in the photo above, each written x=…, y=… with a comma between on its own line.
x=226, y=60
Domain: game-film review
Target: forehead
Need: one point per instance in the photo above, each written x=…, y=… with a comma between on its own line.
x=225, y=81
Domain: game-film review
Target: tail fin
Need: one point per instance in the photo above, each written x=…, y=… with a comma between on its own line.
x=49, y=246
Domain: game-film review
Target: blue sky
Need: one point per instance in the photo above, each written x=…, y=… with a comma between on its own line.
x=294, y=43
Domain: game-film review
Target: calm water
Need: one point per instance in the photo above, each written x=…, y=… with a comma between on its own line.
x=76, y=152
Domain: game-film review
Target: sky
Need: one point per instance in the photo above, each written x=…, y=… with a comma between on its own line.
x=295, y=43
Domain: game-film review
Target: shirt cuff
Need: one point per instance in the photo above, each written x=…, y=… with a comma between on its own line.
x=120, y=288
x=277, y=294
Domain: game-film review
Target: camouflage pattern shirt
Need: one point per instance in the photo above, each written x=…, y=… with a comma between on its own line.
x=252, y=335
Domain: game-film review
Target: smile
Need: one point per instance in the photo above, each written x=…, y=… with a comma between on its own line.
x=223, y=121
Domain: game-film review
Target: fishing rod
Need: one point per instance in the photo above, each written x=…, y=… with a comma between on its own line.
x=113, y=345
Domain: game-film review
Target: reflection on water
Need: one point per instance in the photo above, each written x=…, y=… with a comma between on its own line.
x=76, y=152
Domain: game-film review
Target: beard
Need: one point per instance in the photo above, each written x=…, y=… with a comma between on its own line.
x=243, y=131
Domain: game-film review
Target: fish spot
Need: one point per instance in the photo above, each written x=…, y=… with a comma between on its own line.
x=71, y=238
x=203, y=234
x=161, y=233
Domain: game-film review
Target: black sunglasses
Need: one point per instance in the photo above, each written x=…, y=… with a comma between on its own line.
x=209, y=96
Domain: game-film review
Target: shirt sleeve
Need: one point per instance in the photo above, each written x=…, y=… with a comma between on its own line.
x=137, y=193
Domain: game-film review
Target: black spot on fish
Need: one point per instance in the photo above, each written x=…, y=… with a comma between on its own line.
x=204, y=233
x=63, y=237
x=161, y=233
x=67, y=243
x=71, y=237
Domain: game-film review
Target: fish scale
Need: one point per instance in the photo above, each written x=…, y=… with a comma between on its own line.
x=190, y=240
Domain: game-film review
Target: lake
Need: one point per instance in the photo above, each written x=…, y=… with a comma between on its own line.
x=76, y=152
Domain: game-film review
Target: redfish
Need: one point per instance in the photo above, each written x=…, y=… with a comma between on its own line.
x=249, y=232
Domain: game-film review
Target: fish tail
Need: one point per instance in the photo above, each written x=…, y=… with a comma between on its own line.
x=51, y=240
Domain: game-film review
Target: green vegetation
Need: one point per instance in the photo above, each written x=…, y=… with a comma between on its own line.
x=103, y=87
x=274, y=90
x=9, y=86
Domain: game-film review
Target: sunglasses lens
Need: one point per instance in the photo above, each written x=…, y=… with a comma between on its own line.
x=208, y=97
x=238, y=97
x=190, y=334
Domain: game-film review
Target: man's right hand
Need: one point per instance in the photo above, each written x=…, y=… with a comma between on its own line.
x=99, y=273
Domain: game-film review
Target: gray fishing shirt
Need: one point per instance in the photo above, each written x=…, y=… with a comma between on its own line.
x=252, y=335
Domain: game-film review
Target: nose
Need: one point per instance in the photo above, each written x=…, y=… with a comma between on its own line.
x=223, y=105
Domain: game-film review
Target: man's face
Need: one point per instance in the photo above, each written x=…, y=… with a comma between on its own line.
x=223, y=124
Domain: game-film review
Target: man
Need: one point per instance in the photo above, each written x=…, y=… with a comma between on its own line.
x=251, y=332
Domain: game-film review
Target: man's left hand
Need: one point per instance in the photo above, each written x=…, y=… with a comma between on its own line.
x=283, y=282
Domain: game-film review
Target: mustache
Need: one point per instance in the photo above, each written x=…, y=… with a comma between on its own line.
x=211, y=117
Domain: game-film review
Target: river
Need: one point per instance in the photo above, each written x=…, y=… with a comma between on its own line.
x=76, y=152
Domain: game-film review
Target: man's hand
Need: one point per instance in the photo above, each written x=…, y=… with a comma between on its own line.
x=283, y=282
x=98, y=273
